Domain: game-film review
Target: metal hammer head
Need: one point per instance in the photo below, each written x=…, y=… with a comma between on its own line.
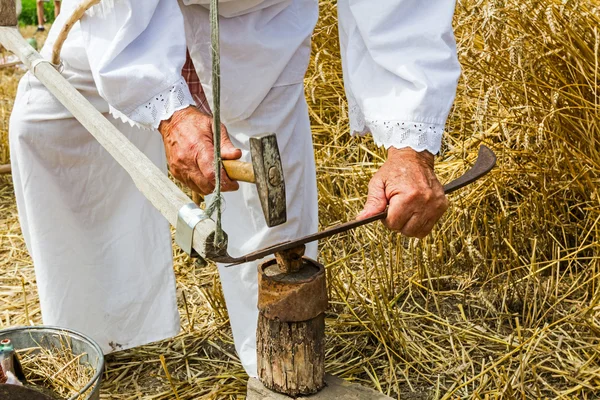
x=268, y=173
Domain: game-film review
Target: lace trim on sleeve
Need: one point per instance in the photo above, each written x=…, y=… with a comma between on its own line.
x=419, y=136
x=158, y=108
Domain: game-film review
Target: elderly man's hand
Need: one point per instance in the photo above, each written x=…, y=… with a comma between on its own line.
x=407, y=183
x=188, y=140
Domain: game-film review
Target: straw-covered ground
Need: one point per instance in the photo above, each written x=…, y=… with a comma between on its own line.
x=501, y=301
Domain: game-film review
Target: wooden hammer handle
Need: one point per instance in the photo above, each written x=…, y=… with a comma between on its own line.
x=236, y=170
x=239, y=170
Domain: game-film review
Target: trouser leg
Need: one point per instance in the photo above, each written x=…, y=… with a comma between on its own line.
x=285, y=113
x=102, y=253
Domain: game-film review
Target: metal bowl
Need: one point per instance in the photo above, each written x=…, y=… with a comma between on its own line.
x=49, y=337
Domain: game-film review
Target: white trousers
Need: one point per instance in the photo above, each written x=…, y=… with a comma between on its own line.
x=102, y=253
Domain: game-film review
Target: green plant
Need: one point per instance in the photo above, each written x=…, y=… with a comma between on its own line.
x=29, y=12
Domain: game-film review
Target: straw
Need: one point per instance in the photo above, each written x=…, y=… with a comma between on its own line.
x=501, y=301
x=56, y=368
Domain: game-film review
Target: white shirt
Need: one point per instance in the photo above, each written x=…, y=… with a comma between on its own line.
x=399, y=59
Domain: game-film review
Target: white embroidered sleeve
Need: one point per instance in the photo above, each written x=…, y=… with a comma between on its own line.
x=136, y=54
x=158, y=108
x=417, y=135
x=400, y=69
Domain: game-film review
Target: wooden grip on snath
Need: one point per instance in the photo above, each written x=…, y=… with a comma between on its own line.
x=239, y=171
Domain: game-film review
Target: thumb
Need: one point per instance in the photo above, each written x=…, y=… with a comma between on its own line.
x=376, y=199
x=228, y=150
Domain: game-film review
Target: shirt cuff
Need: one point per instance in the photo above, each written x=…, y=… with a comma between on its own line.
x=159, y=108
x=419, y=136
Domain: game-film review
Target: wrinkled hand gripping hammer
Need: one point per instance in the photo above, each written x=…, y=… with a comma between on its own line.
x=195, y=230
x=169, y=200
x=265, y=170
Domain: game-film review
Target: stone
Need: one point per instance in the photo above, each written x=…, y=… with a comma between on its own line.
x=335, y=389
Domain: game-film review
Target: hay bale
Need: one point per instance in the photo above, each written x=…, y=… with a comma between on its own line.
x=497, y=299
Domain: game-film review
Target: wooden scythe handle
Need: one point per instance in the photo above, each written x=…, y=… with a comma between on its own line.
x=152, y=182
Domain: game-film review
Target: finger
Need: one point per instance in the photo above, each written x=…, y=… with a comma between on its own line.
x=227, y=184
x=418, y=226
x=199, y=183
x=400, y=211
x=206, y=167
x=421, y=224
x=376, y=199
x=195, y=183
x=228, y=150
x=194, y=188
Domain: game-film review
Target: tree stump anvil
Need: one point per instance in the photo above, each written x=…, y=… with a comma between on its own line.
x=8, y=13
x=291, y=326
x=292, y=300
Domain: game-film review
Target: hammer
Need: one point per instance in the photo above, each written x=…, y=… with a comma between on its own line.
x=266, y=172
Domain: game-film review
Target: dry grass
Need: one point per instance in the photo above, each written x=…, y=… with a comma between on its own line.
x=501, y=301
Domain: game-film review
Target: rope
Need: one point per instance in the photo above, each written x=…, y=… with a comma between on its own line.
x=216, y=88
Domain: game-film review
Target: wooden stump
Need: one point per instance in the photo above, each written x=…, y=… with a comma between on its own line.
x=292, y=355
x=291, y=328
x=8, y=13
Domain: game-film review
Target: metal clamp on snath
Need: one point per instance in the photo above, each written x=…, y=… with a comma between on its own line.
x=187, y=218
